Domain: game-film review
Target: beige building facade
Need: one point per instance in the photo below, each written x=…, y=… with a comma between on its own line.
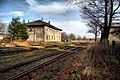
x=115, y=33
x=43, y=31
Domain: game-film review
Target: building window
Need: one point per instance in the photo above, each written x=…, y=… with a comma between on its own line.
x=52, y=37
x=49, y=37
x=47, y=30
x=59, y=37
x=116, y=33
x=46, y=37
x=30, y=28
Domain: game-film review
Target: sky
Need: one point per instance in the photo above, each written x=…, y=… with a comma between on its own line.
x=60, y=14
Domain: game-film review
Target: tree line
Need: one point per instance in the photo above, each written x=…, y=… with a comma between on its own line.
x=17, y=30
x=66, y=37
x=2, y=28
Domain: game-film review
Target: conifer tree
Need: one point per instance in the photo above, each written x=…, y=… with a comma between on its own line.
x=18, y=29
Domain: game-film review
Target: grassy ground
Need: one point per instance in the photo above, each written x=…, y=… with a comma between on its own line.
x=105, y=62
x=7, y=60
x=63, y=69
x=95, y=63
x=33, y=44
x=21, y=57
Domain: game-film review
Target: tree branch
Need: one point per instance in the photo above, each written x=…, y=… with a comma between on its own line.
x=116, y=9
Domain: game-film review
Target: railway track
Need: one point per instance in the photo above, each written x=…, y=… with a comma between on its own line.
x=17, y=68
x=75, y=49
x=7, y=60
x=28, y=61
x=29, y=69
x=9, y=51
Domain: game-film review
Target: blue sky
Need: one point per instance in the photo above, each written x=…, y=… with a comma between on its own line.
x=60, y=13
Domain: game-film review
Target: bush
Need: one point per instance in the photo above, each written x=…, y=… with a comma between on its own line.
x=105, y=61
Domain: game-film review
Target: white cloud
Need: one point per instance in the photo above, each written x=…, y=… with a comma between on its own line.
x=13, y=13
x=16, y=13
x=5, y=22
x=50, y=8
x=6, y=17
x=31, y=2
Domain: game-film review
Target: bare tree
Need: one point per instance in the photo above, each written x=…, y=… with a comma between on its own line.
x=2, y=27
x=93, y=28
x=102, y=12
x=111, y=7
x=72, y=36
x=64, y=36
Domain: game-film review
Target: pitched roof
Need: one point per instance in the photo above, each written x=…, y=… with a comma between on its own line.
x=114, y=31
x=42, y=23
x=115, y=25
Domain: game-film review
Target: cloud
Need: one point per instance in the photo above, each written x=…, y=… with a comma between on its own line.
x=13, y=13
x=16, y=13
x=50, y=8
x=6, y=17
x=5, y=22
x=31, y=2
x=76, y=27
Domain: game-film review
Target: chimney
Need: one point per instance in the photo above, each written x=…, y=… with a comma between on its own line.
x=49, y=22
x=42, y=19
x=28, y=21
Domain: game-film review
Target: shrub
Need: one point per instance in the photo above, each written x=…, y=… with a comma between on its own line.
x=105, y=61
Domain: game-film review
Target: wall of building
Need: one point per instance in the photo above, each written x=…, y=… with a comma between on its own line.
x=114, y=37
x=43, y=34
x=1, y=37
x=36, y=34
x=52, y=34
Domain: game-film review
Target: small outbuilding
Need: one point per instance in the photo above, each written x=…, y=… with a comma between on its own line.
x=115, y=33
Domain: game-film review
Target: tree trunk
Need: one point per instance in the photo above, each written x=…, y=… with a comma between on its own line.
x=104, y=33
x=110, y=18
x=95, y=37
x=96, y=34
x=107, y=29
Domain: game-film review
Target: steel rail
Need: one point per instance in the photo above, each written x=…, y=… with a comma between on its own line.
x=27, y=72
x=27, y=62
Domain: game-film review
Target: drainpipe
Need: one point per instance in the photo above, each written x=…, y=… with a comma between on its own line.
x=34, y=36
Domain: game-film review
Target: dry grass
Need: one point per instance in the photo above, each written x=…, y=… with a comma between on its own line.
x=22, y=44
x=104, y=63
x=95, y=63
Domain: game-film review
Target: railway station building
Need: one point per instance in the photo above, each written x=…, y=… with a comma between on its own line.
x=40, y=30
